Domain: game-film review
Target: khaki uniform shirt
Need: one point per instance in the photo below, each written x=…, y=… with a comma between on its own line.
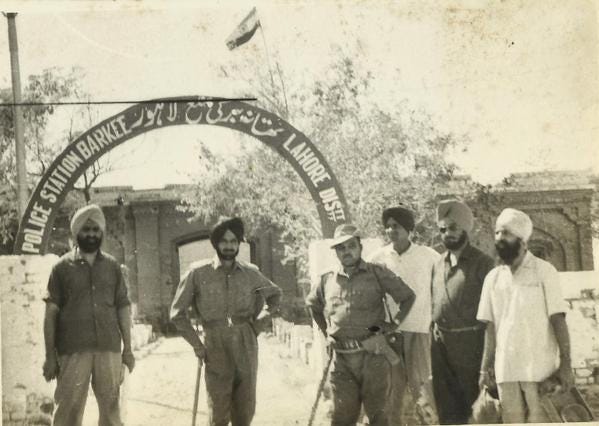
x=219, y=294
x=352, y=304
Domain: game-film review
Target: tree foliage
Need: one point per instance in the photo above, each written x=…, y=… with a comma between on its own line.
x=46, y=89
x=381, y=156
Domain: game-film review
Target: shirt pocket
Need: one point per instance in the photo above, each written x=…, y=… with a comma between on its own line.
x=212, y=299
x=531, y=296
x=244, y=298
x=366, y=299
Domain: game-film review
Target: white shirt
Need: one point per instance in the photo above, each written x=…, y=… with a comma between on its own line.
x=519, y=306
x=415, y=267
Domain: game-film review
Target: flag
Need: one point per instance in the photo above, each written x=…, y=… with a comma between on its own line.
x=244, y=31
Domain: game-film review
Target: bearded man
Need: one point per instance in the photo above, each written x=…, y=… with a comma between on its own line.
x=458, y=338
x=87, y=316
x=526, y=338
x=228, y=295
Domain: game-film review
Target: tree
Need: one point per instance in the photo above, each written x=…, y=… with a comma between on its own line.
x=381, y=156
x=47, y=88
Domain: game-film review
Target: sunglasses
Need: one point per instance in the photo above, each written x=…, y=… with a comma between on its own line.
x=444, y=229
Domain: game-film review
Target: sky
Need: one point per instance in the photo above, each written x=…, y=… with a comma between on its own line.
x=517, y=79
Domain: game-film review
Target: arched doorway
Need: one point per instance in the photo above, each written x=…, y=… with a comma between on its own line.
x=291, y=144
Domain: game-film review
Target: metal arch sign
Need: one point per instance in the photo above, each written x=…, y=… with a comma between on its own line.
x=36, y=224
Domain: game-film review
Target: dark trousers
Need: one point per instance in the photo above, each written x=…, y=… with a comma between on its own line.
x=356, y=379
x=456, y=358
x=231, y=372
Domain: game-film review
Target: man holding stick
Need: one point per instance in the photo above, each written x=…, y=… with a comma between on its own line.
x=226, y=294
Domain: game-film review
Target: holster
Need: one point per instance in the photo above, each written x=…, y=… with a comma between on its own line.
x=378, y=344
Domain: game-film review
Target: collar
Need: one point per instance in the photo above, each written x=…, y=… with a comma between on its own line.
x=361, y=267
x=526, y=263
x=217, y=263
x=391, y=249
x=463, y=253
x=78, y=256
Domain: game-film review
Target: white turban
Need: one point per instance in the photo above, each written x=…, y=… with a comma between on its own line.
x=515, y=221
x=91, y=211
x=458, y=211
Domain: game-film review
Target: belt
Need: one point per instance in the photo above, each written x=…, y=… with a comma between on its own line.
x=226, y=322
x=347, y=346
x=459, y=329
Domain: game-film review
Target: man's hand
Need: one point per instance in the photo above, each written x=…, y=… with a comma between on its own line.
x=51, y=367
x=200, y=352
x=565, y=376
x=128, y=360
x=263, y=322
x=486, y=379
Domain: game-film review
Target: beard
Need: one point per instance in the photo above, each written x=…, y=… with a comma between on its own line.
x=508, y=252
x=454, y=245
x=228, y=255
x=89, y=244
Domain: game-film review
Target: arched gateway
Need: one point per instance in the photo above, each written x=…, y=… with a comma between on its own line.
x=36, y=224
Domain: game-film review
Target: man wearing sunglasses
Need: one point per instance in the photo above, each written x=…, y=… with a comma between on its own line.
x=458, y=337
x=87, y=316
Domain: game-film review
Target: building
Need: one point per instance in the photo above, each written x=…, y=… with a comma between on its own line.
x=149, y=232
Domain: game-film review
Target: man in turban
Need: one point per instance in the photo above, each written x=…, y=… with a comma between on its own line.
x=87, y=317
x=227, y=295
x=458, y=337
x=414, y=264
x=526, y=333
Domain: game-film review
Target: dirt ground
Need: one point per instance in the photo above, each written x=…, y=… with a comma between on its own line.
x=160, y=390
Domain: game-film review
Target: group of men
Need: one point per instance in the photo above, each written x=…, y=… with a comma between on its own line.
x=438, y=328
x=464, y=325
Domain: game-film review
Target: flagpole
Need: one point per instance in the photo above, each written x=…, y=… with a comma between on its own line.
x=272, y=80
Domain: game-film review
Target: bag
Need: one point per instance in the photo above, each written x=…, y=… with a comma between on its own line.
x=486, y=408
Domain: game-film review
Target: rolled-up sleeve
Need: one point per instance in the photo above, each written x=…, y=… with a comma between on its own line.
x=269, y=291
x=393, y=284
x=184, y=297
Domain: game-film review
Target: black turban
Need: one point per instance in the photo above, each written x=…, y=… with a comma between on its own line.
x=402, y=215
x=235, y=225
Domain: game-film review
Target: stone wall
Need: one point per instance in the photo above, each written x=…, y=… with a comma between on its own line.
x=22, y=285
x=26, y=397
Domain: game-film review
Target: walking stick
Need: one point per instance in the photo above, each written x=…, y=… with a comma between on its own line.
x=197, y=393
x=320, y=388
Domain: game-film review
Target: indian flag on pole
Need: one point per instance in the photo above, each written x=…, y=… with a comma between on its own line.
x=244, y=31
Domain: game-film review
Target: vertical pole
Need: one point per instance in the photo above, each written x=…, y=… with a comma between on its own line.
x=22, y=190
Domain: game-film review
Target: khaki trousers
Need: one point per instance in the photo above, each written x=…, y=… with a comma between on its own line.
x=356, y=379
x=104, y=370
x=231, y=373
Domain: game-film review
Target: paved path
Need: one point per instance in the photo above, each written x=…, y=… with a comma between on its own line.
x=160, y=390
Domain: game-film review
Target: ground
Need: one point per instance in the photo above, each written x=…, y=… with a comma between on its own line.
x=160, y=390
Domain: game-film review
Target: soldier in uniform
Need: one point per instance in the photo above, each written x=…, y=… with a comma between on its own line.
x=348, y=307
x=226, y=293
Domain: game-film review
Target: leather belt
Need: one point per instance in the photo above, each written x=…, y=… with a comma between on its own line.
x=226, y=322
x=459, y=329
x=347, y=346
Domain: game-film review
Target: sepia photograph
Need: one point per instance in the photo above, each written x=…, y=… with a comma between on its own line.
x=299, y=213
